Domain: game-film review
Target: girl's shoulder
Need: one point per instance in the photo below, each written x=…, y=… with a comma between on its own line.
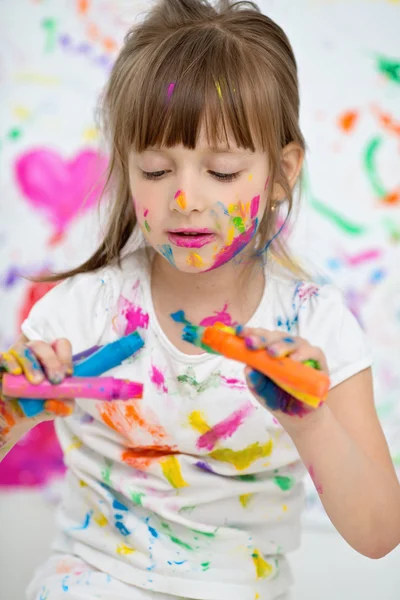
x=82, y=307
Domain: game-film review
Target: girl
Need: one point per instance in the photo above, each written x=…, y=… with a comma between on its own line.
x=195, y=491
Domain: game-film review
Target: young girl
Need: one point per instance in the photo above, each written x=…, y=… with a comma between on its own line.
x=195, y=491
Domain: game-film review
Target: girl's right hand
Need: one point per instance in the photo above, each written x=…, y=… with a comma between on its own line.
x=37, y=361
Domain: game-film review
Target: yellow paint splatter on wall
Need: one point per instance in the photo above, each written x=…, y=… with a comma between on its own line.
x=171, y=469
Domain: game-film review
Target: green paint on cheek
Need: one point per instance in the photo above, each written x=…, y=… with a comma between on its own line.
x=239, y=225
x=147, y=226
x=285, y=483
x=137, y=497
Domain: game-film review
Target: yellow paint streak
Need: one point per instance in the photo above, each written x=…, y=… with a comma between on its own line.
x=82, y=483
x=90, y=134
x=172, y=472
x=124, y=550
x=217, y=85
x=38, y=78
x=198, y=422
x=250, y=177
x=263, y=568
x=180, y=199
x=231, y=235
x=284, y=507
x=100, y=519
x=245, y=499
x=241, y=459
x=21, y=112
x=75, y=444
x=195, y=260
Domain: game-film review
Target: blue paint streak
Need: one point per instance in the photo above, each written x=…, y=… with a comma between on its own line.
x=179, y=317
x=118, y=505
x=64, y=584
x=85, y=523
x=166, y=251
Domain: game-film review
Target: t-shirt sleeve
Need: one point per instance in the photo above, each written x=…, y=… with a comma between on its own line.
x=326, y=322
x=78, y=309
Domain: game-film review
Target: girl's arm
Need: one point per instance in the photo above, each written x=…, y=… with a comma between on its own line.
x=345, y=451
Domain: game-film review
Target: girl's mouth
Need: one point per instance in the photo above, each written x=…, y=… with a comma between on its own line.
x=191, y=238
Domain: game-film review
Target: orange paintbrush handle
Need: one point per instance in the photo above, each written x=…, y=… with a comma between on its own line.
x=288, y=373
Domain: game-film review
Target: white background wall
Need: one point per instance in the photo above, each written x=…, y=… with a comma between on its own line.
x=55, y=56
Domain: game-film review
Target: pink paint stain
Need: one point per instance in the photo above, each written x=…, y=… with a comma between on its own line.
x=146, y=212
x=157, y=377
x=362, y=257
x=234, y=383
x=266, y=183
x=130, y=316
x=171, y=88
x=219, y=317
x=58, y=188
x=239, y=243
x=224, y=429
x=255, y=204
x=312, y=475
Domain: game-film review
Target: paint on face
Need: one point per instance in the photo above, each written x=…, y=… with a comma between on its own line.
x=194, y=260
x=227, y=253
x=167, y=253
x=254, y=207
x=180, y=199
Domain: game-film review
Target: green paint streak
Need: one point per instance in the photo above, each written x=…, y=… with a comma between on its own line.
x=147, y=226
x=337, y=219
x=209, y=535
x=369, y=163
x=14, y=134
x=212, y=381
x=285, y=483
x=105, y=474
x=239, y=224
x=396, y=460
x=389, y=68
x=137, y=497
x=50, y=26
x=247, y=477
x=205, y=566
x=174, y=539
x=393, y=230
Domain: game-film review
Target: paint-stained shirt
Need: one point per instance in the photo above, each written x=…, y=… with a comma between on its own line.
x=194, y=490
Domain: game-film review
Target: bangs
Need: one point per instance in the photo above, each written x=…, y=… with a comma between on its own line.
x=195, y=82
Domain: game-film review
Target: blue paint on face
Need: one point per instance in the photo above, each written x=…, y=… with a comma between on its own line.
x=167, y=253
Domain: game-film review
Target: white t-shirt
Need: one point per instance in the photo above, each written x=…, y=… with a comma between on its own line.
x=195, y=490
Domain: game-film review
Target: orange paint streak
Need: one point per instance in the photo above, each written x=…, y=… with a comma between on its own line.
x=387, y=121
x=82, y=6
x=142, y=458
x=348, y=120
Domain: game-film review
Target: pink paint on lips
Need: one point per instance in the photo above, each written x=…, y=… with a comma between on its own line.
x=195, y=238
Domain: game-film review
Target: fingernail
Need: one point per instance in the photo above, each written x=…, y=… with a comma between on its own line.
x=239, y=329
x=288, y=340
x=56, y=377
x=251, y=342
x=272, y=351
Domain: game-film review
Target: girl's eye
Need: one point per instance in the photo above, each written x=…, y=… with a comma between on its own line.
x=153, y=174
x=224, y=176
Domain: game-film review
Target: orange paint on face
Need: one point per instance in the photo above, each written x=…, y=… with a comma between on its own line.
x=195, y=260
x=180, y=199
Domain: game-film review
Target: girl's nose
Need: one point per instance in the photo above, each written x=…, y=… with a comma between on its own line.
x=185, y=201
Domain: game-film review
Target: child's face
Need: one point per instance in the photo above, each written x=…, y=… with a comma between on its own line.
x=199, y=208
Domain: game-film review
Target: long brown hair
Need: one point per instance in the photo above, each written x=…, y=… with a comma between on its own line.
x=190, y=64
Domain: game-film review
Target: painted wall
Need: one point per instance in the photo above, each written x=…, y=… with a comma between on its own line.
x=55, y=58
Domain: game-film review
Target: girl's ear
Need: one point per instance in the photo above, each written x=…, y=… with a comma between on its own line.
x=292, y=157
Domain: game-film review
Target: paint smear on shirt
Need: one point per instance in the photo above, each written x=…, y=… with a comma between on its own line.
x=198, y=421
x=241, y=459
x=171, y=469
x=234, y=383
x=124, y=550
x=225, y=428
x=130, y=316
x=245, y=499
x=263, y=568
x=157, y=377
x=283, y=482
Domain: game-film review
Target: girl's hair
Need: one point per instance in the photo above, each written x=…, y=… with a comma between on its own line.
x=190, y=64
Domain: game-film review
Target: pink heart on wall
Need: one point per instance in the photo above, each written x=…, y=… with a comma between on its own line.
x=58, y=188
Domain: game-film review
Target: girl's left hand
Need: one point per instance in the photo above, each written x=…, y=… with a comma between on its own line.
x=279, y=344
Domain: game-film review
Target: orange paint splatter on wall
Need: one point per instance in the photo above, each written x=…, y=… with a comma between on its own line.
x=348, y=120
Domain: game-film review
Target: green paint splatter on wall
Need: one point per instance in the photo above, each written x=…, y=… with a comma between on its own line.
x=337, y=219
x=369, y=164
x=205, y=566
x=389, y=68
x=14, y=133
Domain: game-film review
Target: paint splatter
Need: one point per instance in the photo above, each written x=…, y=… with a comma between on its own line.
x=318, y=487
x=194, y=260
x=171, y=469
x=130, y=316
x=254, y=207
x=221, y=316
x=373, y=177
x=198, y=421
x=283, y=482
x=337, y=219
x=137, y=498
x=389, y=68
x=157, y=377
x=174, y=539
x=234, y=383
x=85, y=523
x=50, y=27
x=241, y=459
x=180, y=199
x=212, y=381
x=237, y=245
x=124, y=550
x=348, y=120
x=166, y=251
x=263, y=568
x=245, y=499
x=388, y=122
x=224, y=429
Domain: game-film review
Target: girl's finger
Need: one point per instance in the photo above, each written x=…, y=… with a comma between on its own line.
x=63, y=350
x=10, y=364
x=59, y=408
x=49, y=360
x=313, y=354
x=28, y=362
x=284, y=346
